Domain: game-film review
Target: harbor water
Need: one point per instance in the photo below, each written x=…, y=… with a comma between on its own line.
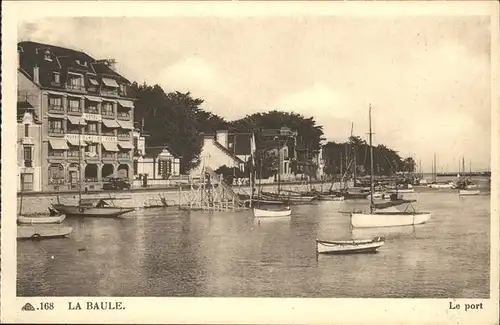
x=166, y=252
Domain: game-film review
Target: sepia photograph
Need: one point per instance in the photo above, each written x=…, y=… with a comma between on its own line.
x=252, y=156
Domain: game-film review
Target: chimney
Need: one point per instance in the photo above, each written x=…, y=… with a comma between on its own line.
x=222, y=137
x=112, y=64
x=36, y=74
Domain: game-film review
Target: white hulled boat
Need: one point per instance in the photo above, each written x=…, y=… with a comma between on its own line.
x=468, y=192
x=272, y=212
x=349, y=246
x=386, y=218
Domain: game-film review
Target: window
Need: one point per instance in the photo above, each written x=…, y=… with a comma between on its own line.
x=91, y=128
x=56, y=77
x=123, y=89
x=123, y=135
x=55, y=102
x=73, y=151
x=74, y=105
x=55, y=126
x=136, y=143
x=56, y=174
x=82, y=63
x=26, y=130
x=27, y=153
x=26, y=182
x=55, y=152
x=91, y=108
x=75, y=81
x=91, y=150
x=107, y=109
x=47, y=56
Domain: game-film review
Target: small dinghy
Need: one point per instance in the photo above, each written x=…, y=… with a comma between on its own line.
x=53, y=217
x=349, y=246
x=41, y=232
x=468, y=192
x=270, y=213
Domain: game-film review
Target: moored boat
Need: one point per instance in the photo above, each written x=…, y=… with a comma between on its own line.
x=270, y=213
x=349, y=246
x=386, y=218
x=41, y=232
x=41, y=219
x=330, y=197
x=468, y=192
x=92, y=208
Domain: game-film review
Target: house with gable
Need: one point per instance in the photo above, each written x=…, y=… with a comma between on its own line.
x=225, y=149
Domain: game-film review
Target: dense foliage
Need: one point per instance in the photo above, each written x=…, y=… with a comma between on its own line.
x=176, y=120
x=340, y=157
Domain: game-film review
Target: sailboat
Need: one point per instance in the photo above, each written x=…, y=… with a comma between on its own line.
x=98, y=207
x=385, y=218
x=40, y=227
x=259, y=212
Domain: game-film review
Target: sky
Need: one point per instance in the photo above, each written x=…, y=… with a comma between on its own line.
x=427, y=78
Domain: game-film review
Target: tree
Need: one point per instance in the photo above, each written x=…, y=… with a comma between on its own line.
x=171, y=119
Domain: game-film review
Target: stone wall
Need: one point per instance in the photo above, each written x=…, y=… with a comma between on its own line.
x=40, y=202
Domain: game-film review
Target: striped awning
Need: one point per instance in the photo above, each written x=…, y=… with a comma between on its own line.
x=125, y=145
x=110, y=123
x=110, y=146
x=110, y=82
x=126, y=125
x=94, y=99
x=58, y=144
x=76, y=142
x=77, y=120
x=126, y=103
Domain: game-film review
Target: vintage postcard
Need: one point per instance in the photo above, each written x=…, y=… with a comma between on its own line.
x=250, y=162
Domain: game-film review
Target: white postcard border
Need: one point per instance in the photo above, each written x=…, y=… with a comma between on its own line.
x=235, y=310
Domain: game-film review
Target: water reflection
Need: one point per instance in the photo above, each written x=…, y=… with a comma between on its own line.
x=165, y=252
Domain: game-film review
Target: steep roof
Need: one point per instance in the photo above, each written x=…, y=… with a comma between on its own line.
x=62, y=60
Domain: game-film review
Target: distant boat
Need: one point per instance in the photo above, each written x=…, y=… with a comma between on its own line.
x=41, y=232
x=267, y=213
x=330, y=197
x=92, y=208
x=349, y=246
x=468, y=192
x=441, y=185
x=386, y=218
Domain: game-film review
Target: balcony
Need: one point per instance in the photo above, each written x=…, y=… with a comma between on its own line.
x=125, y=116
x=56, y=154
x=123, y=136
x=73, y=131
x=110, y=114
x=74, y=111
x=58, y=109
x=91, y=110
x=78, y=88
x=109, y=92
x=124, y=156
x=108, y=155
x=73, y=154
x=56, y=132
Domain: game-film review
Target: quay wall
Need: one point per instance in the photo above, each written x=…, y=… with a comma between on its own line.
x=39, y=202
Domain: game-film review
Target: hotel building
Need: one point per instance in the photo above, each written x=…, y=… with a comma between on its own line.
x=85, y=111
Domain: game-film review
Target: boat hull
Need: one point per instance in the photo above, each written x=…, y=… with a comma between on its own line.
x=104, y=212
x=349, y=247
x=468, y=192
x=401, y=191
x=41, y=232
x=270, y=213
x=331, y=198
x=388, y=219
x=40, y=220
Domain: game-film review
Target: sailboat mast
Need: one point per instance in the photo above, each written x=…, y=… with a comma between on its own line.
x=371, y=159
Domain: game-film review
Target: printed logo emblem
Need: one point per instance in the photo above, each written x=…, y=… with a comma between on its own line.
x=28, y=307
